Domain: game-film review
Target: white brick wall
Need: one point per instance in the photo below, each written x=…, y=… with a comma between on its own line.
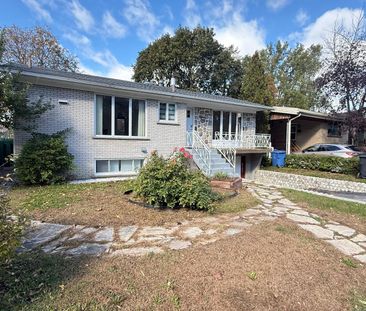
x=78, y=115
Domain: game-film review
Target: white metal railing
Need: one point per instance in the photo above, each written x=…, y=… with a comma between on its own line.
x=229, y=153
x=202, y=150
x=189, y=139
x=243, y=141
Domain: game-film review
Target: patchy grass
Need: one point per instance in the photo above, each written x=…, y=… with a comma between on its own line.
x=101, y=204
x=348, y=213
x=358, y=301
x=349, y=262
x=288, y=273
x=236, y=204
x=324, y=203
x=314, y=173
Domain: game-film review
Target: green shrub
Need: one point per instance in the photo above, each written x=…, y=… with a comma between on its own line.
x=324, y=163
x=170, y=183
x=10, y=229
x=44, y=159
x=221, y=176
x=266, y=161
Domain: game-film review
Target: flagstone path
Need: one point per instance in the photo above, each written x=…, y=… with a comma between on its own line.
x=141, y=240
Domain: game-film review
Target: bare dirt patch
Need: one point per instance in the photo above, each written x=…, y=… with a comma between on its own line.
x=272, y=266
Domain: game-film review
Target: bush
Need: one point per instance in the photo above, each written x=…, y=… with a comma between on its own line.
x=266, y=161
x=44, y=159
x=10, y=230
x=324, y=163
x=221, y=176
x=170, y=183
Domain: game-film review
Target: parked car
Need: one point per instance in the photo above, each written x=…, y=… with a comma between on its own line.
x=343, y=151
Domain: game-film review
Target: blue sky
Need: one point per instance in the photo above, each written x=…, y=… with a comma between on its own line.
x=106, y=35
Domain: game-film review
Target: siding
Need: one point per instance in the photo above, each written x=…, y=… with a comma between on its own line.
x=78, y=115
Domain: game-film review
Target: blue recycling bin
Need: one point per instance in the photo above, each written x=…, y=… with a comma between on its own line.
x=278, y=158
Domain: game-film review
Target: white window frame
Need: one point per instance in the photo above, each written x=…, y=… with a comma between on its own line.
x=167, y=113
x=109, y=173
x=238, y=130
x=129, y=136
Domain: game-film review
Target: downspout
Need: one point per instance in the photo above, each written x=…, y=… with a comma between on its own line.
x=288, y=133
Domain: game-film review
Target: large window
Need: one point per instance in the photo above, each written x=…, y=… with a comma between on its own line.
x=118, y=116
x=167, y=112
x=118, y=166
x=225, y=124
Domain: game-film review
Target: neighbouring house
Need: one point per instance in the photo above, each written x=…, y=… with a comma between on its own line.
x=116, y=124
x=294, y=129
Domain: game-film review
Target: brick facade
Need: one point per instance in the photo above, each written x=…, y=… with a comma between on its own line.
x=78, y=115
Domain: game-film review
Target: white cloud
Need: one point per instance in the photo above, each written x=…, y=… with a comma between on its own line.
x=138, y=13
x=192, y=17
x=247, y=36
x=41, y=13
x=83, y=18
x=301, y=17
x=276, y=4
x=321, y=29
x=105, y=58
x=111, y=27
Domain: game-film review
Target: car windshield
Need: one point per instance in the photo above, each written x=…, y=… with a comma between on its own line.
x=311, y=149
x=353, y=148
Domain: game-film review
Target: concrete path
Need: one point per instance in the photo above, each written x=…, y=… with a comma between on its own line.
x=142, y=240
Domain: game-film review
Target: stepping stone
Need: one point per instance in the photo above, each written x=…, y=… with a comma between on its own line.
x=286, y=202
x=318, y=231
x=361, y=258
x=178, y=244
x=279, y=209
x=42, y=233
x=251, y=212
x=205, y=242
x=91, y=249
x=359, y=238
x=363, y=244
x=342, y=230
x=53, y=245
x=347, y=247
x=232, y=231
x=158, y=239
x=125, y=233
x=104, y=235
x=210, y=231
x=137, y=251
x=82, y=233
x=192, y=232
x=303, y=219
x=155, y=231
x=300, y=212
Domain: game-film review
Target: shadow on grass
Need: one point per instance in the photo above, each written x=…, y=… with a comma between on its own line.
x=29, y=277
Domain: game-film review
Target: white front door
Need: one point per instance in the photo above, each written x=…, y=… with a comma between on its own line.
x=189, y=119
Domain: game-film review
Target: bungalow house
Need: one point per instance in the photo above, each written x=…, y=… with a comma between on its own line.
x=294, y=129
x=115, y=124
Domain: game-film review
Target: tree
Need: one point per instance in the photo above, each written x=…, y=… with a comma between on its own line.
x=258, y=85
x=293, y=71
x=15, y=109
x=36, y=47
x=197, y=60
x=344, y=75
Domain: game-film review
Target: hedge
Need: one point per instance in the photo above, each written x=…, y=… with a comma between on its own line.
x=324, y=163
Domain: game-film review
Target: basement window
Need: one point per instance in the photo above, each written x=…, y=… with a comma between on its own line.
x=118, y=167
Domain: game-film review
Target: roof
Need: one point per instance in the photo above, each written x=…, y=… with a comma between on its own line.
x=297, y=111
x=147, y=88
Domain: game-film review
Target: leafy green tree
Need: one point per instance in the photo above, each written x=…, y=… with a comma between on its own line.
x=197, y=60
x=283, y=76
x=16, y=112
x=258, y=85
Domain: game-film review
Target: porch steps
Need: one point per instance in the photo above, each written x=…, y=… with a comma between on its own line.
x=218, y=163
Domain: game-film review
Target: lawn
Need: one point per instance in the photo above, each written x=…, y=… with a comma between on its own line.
x=246, y=272
x=314, y=173
x=103, y=204
x=352, y=214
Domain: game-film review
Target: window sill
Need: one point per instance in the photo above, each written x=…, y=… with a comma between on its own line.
x=168, y=122
x=118, y=174
x=120, y=137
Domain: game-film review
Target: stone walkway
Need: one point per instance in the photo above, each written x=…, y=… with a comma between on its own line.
x=138, y=240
